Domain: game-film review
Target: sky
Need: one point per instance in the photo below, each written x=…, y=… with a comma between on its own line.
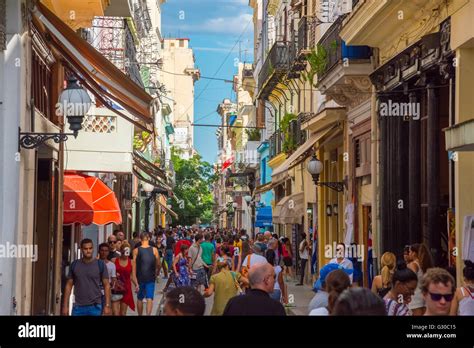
x=214, y=28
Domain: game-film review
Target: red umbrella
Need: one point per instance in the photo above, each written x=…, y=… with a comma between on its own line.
x=88, y=200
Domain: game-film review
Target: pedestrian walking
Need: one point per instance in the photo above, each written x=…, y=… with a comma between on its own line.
x=224, y=285
x=114, y=251
x=123, y=265
x=86, y=276
x=181, y=268
x=198, y=266
x=111, y=269
x=463, y=301
x=279, y=290
x=437, y=287
x=404, y=284
x=336, y=282
x=287, y=252
x=146, y=267
x=304, y=256
x=420, y=261
x=257, y=301
x=382, y=283
x=208, y=254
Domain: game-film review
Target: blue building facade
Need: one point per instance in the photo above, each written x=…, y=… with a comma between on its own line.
x=264, y=207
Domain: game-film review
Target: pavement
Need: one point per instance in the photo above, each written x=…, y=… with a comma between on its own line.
x=298, y=296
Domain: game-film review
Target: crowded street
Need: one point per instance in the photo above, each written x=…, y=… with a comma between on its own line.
x=237, y=158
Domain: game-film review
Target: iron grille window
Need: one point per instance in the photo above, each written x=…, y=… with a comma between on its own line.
x=41, y=85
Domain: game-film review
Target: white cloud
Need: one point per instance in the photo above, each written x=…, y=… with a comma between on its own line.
x=230, y=25
x=219, y=25
x=214, y=49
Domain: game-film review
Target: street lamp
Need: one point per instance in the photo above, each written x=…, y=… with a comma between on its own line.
x=235, y=205
x=248, y=198
x=74, y=102
x=148, y=188
x=315, y=167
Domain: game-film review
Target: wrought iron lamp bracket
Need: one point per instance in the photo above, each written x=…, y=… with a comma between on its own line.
x=32, y=140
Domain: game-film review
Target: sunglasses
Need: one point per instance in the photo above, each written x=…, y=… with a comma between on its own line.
x=437, y=297
x=112, y=241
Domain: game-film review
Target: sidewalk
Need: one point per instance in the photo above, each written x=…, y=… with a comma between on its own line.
x=302, y=295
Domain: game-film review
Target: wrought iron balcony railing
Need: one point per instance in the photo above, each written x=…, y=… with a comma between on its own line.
x=337, y=50
x=304, y=117
x=275, y=65
x=275, y=143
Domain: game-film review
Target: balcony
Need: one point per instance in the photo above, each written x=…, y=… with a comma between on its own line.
x=275, y=66
x=299, y=48
x=344, y=75
x=105, y=144
x=304, y=117
x=295, y=137
x=275, y=144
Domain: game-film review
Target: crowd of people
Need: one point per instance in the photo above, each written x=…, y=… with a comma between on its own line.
x=249, y=276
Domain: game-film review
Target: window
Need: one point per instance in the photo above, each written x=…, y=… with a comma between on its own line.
x=181, y=43
x=362, y=154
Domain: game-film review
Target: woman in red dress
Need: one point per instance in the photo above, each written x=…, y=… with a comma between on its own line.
x=124, y=271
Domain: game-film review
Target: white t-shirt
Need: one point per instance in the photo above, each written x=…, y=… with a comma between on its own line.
x=347, y=264
x=303, y=254
x=277, y=272
x=254, y=260
x=319, y=311
x=111, y=269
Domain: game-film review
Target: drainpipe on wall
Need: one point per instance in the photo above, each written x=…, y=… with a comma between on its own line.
x=375, y=180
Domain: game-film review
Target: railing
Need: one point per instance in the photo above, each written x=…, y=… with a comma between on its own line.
x=304, y=117
x=337, y=50
x=303, y=28
x=276, y=62
x=275, y=143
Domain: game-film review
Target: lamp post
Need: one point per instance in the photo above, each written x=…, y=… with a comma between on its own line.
x=73, y=103
x=315, y=167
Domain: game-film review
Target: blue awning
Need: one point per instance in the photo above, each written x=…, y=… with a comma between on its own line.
x=264, y=217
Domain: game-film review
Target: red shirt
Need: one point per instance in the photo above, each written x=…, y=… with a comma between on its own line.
x=177, y=247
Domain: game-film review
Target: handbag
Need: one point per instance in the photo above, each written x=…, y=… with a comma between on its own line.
x=237, y=285
x=119, y=287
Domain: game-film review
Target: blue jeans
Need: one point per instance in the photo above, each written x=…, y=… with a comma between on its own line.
x=91, y=310
x=276, y=295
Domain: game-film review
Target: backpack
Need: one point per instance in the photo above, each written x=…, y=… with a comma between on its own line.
x=101, y=268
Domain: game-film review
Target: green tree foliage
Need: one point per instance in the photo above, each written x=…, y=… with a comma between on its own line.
x=194, y=178
x=289, y=143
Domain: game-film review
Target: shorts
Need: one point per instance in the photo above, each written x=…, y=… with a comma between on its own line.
x=116, y=297
x=146, y=290
x=288, y=261
x=201, y=278
x=91, y=310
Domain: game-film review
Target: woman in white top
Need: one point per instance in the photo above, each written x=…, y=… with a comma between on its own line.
x=279, y=290
x=336, y=282
x=421, y=260
x=463, y=301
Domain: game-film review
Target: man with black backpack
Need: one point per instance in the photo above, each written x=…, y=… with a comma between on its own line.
x=86, y=275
